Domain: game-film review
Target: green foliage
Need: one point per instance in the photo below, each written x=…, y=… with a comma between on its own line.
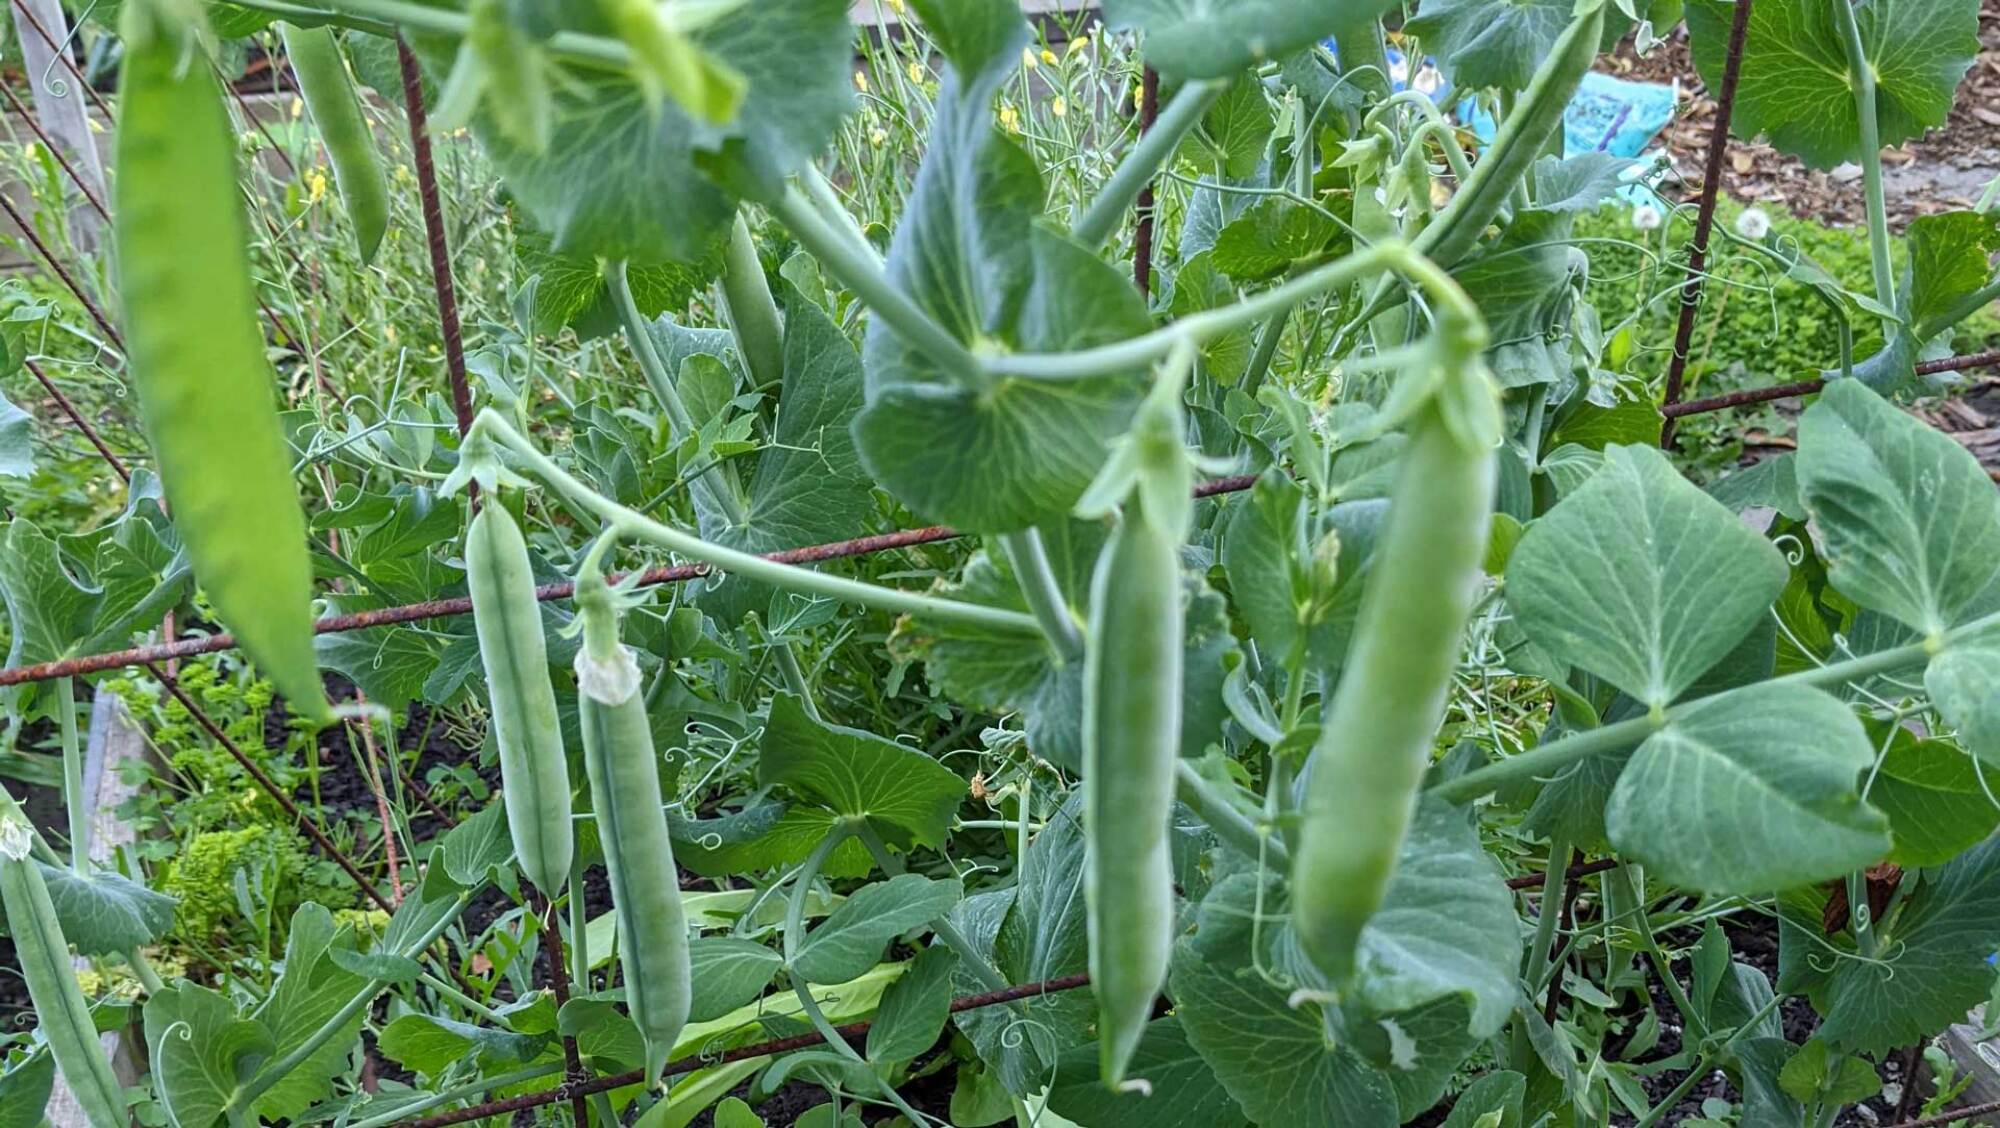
x=241, y=886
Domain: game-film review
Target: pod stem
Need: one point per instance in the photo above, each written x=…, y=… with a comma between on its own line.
x=596, y=604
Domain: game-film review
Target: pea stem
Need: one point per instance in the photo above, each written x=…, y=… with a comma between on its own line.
x=475, y=1089
x=861, y=272
x=1546, y=759
x=794, y=935
x=960, y=944
x=72, y=760
x=1138, y=352
x=1032, y=571
x=247, y=1096
x=492, y=425
x=1144, y=159
x=389, y=15
x=1229, y=824
x=1861, y=79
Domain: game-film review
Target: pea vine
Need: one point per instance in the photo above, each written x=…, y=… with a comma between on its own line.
x=1368, y=709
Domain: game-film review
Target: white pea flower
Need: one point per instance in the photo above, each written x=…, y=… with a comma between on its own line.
x=1646, y=217
x=1753, y=224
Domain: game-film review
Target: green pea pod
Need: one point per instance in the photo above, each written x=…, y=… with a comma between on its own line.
x=1522, y=138
x=632, y=824
x=534, y=773
x=1132, y=725
x=43, y=956
x=1376, y=734
x=336, y=110
x=197, y=355
x=1131, y=733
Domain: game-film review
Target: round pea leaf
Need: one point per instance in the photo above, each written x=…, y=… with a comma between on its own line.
x=1750, y=793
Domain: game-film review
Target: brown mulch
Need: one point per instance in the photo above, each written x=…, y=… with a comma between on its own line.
x=1942, y=171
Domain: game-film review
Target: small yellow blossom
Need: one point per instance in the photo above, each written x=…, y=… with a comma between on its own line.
x=917, y=72
x=1059, y=107
x=861, y=82
x=315, y=186
x=403, y=174
x=1048, y=56
x=1080, y=43
x=896, y=6
x=878, y=137
x=389, y=333
x=1010, y=118
x=298, y=107
x=1028, y=59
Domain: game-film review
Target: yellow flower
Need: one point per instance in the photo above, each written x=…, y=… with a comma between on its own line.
x=1010, y=119
x=878, y=137
x=861, y=82
x=315, y=186
x=1059, y=107
x=917, y=72
x=1080, y=43
x=298, y=107
x=389, y=333
x=1028, y=59
x=1048, y=56
x=896, y=6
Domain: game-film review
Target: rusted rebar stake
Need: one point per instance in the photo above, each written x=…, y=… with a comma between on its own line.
x=1711, y=184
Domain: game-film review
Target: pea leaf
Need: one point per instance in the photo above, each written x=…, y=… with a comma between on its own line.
x=1641, y=579
x=305, y=998
x=569, y=290
x=1770, y=484
x=907, y=797
x=619, y=181
x=1950, y=258
x=850, y=940
x=1267, y=555
x=1908, y=520
x=762, y=836
x=1525, y=285
x=1034, y=931
x=430, y=1045
x=1213, y=38
x=1481, y=44
x=1185, y=1091
x=200, y=1051
x=476, y=845
x=1964, y=683
x=1274, y=236
x=1750, y=793
x=17, y=447
x=1934, y=961
x=1235, y=131
x=1001, y=456
x=1499, y=1092
x=1931, y=793
x=729, y=972
x=1447, y=927
x=24, y=1092
x=106, y=912
x=1794, y=88
x=808, y=485
x=914, y=1009
x=999, y=671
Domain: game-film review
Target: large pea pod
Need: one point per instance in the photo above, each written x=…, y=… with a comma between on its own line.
x=534, y=772
x=336, y=110
x=197, y=356
x=1377, y=733
x=1522, y=138
x=632, y=824
x=1131, y=736
x=43, y=956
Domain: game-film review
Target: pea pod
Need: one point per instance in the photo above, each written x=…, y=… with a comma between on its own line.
x=336, y=110
x=631, y=823
x=43, y=956
x=197, y=356
x=1376, y=734
x=1522, y=138
x=1132, y=732
x=534, y=773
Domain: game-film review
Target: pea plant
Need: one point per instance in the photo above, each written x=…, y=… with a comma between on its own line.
x=1372, y=724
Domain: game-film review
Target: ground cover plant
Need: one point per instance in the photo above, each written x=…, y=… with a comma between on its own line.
x=1099, y=572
